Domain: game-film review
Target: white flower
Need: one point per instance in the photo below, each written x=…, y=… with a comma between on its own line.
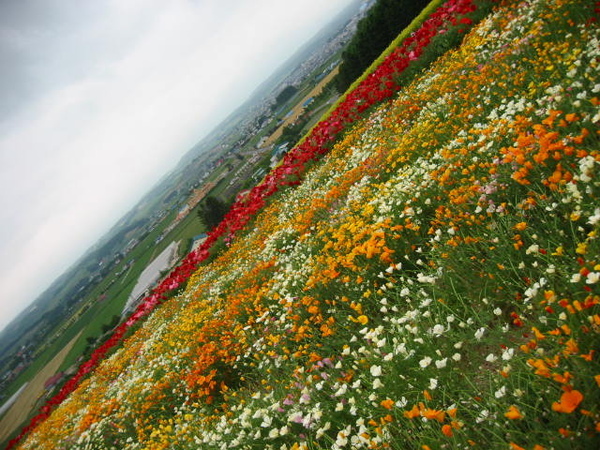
x=376, y=371
x=433, y=382
x=425, y=362
x=456, y=357
x=438, y=330
x=593, y=277
x=500, y=392
x=266, y=422
x=377, y=383
x=497, y=311
x=402, y=402
x=491, y=358
x=482, y=416
x=593, y=220
x=341, y=391
x=508, y=354
x=440, y=364
x=479, y=333
x=321, y=431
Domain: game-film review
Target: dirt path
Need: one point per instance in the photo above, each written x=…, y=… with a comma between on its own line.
x=298, y=109
x=25, y=402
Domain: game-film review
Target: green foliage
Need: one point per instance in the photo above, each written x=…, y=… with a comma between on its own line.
x=287, y=93
x=212, y=211
x=374, y=33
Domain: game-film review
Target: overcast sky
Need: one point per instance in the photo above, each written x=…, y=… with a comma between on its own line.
x=100, y=98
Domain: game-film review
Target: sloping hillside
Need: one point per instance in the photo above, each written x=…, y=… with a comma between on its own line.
x=431, y=282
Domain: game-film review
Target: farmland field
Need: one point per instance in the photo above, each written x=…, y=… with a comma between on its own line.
x=299, y=108
x=28, y=398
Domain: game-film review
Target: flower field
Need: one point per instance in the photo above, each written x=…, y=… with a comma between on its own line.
x=432, y=280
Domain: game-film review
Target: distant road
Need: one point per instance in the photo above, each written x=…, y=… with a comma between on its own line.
x=8, y=403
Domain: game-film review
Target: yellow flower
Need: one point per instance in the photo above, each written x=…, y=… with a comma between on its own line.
x=520, y=226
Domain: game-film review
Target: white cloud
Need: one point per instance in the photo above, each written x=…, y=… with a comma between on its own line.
x=118, y=91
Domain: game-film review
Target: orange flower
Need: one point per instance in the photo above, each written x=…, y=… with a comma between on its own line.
x=538, y=334
x=571, y=347
x=515, y=446
x=411, y=414
x=447, y=430
x=436, y=414
x=387, y=403
x=569, y=401
x=513, y=413
x=572, y=117
x=564, y=432
x=520, y=226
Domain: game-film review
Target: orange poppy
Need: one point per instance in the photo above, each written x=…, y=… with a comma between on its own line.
x=513, y=413
x=569, y=401
x=447, y=430
x=387, y=403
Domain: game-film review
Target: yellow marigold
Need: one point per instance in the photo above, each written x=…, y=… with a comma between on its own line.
x=362, y=319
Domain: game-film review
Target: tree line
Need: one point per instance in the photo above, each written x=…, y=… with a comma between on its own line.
x=383, y=23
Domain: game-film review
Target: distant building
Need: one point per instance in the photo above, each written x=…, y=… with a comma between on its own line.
x=308, y=102
x=53, y=381
x=151, y=274
x=198, y=240
x=278, y=152
x=259, y=174
x=183, y=211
